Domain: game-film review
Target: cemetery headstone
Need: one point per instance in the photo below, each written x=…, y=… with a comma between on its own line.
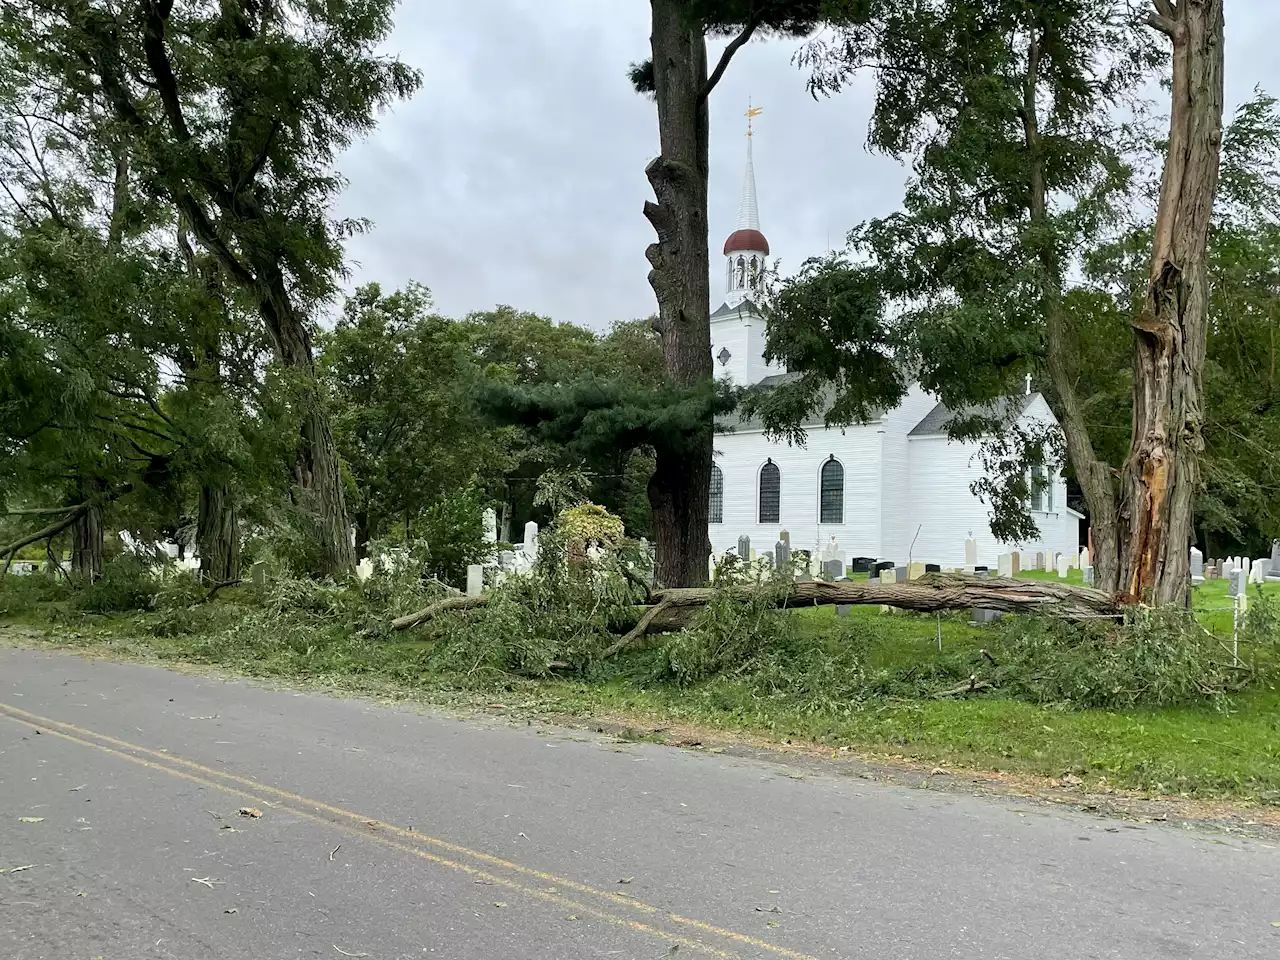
x=490, y=525
x=1087, y=572
x=862, y=564
x=259, y=570
x=475, y=580
x=1005, y=565
x=932, y=568
x=900, y=574
x=782, y=554
x=364, y=569
x=1062, y=567
x=888, y=575
x=833, y=569
x=744, y=548
x=531, y=540
x=915, y=570
x=1261, y=567
x=1040, y=560
x=1085, y=559
x=1237, y=582
x=1197, y=566
x=970, y=552
x=1015, y=560
x=980, y=615
x=1246, y=567
x=785, y=537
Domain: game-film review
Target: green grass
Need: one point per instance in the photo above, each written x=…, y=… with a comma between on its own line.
x=1231, y=749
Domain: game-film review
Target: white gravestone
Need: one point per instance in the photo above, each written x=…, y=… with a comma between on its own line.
x=1063, y=567
x=1005, y=565
x=475, y=580
x=531, y=540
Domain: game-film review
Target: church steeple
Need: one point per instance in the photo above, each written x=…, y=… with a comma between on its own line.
x=746, y=250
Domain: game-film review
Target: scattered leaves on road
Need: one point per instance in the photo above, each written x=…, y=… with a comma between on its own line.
x=773, y=909
x=572, y=916
x=31, y=819
x=772, y=923
x=499, y=904
x=231, y=910
x=345, y=954
x=252, y=812
x=626, y=879
x=17, y=869
x=207, y=881
x=334, y=850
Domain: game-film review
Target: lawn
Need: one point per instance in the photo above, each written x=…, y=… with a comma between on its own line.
x=1227, y=748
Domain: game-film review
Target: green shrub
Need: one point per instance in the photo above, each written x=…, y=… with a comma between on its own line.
x=127, y=583
x=26, y=594
x=560, y=613
x=1159, y=657
x=453, y=528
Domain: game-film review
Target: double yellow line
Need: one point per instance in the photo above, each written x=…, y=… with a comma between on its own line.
x=701, y=937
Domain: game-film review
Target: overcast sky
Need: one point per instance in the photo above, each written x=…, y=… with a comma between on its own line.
x=516, y=173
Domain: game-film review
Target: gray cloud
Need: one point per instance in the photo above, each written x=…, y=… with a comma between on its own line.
x=516, y=173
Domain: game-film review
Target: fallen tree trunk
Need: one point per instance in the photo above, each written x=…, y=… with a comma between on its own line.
x=673, y=608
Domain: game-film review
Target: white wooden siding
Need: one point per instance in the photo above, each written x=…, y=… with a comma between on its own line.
x=947, y=510
x=740, y=456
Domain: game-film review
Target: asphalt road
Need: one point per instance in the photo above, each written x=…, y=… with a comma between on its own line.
x=390, y=834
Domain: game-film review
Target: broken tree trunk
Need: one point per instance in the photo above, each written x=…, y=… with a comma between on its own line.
x=673, y=608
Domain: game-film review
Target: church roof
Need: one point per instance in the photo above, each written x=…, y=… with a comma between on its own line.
x=746, y=240
x=735, y=421
x=935, y=421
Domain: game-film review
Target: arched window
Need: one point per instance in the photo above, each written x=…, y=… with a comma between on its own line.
x=742, y=272
x=717, y=495
x=755, y=272
x=770, y=493
x=831, y=492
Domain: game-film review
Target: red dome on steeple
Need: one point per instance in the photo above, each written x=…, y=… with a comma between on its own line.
x=749, y=240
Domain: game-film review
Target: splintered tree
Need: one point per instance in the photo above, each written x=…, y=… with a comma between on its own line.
x=1008, y=111
x=1161, y=477
x=677, y=77
x=234, y=113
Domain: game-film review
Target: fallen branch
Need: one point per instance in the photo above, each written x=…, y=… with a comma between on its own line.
x=440, y=606
x=218, y=586
x=638, y=631
x=972, y=685
x=673, y=608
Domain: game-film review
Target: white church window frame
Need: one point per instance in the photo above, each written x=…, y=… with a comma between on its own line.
x=769, y=483
x=742, y=272
x=1041, y=496
x=715, y=508
x=833, y=489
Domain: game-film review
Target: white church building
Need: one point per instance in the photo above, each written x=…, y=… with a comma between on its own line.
x=893, y=488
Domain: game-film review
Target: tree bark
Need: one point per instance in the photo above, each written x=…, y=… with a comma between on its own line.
x=86, y=536
x=673, y=608
x=1161, y=475
x=680, y=488
x=217, y=535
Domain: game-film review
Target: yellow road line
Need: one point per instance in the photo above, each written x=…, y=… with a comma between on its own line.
x=19, y=715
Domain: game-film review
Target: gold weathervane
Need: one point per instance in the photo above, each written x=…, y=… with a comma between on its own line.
x=752, y=113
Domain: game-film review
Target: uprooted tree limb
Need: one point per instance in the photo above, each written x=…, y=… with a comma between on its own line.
x=70, y=515
x=672, y=609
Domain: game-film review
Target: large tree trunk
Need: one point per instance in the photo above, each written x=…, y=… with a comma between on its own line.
x=672, y=609
x=217, y=535
x=86, y=536
x=1162, y=473
x=316, y=469
x=681, y=484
